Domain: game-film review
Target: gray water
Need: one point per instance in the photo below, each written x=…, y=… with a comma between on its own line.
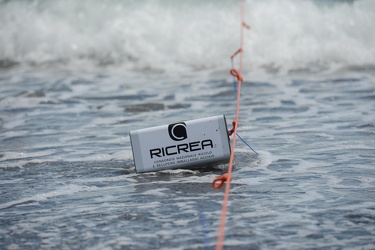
x=68, y=178
x=77, y=76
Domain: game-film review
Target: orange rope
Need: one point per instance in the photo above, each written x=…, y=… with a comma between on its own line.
x=226, y=178
x=235, y=53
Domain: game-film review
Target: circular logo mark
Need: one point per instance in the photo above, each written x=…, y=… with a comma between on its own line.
x=177, y=131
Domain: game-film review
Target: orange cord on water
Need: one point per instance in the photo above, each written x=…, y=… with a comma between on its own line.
x=227, y=177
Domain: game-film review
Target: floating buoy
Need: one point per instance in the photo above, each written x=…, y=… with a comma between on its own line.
x=185, y=144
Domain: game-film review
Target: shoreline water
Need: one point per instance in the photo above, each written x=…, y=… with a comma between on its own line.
x=67, y=105
x=68, y=177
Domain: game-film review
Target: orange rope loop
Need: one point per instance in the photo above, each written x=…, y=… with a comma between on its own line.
x=235, y=73
x=222, y=179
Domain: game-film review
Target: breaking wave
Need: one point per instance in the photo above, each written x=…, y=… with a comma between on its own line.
x=186, y=35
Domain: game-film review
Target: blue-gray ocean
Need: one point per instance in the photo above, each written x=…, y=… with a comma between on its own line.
x=77, y=76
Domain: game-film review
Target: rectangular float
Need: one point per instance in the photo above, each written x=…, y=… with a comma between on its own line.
x=185, y=144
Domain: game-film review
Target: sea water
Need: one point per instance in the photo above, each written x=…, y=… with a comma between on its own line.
x=77, y=76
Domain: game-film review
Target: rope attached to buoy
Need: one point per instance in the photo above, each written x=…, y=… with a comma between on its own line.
x=227, y=177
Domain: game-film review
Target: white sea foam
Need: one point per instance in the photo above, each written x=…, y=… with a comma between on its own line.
x=169, y=36
x=66, y=190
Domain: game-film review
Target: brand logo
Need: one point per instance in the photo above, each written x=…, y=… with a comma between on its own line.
x=177, y=131
x=180, y=148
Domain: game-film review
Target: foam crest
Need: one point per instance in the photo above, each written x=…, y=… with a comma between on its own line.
x=169, y=36
x=301, y=34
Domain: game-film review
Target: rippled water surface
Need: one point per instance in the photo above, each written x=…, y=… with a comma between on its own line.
x=68, y=178
x=77, y=76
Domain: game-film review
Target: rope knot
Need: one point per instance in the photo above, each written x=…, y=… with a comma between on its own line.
x=230, y=132
x=244, y=24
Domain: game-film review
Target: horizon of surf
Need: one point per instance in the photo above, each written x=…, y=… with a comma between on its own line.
x=190, y=36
